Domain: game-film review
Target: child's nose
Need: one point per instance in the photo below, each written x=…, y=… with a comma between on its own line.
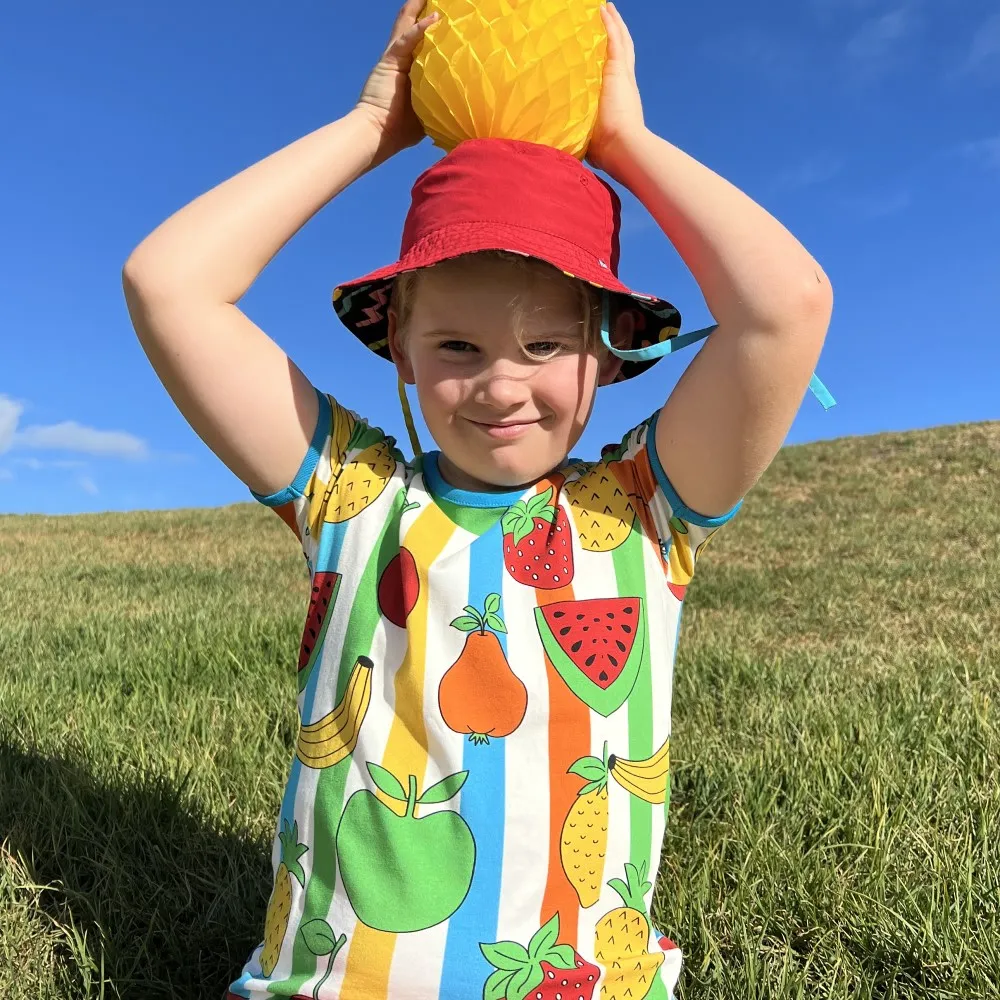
x=502, y=388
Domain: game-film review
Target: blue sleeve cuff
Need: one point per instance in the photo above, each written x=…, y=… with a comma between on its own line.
x=677, y=506
x=296, y=488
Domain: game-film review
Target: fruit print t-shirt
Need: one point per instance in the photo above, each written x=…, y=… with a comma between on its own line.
x=480, y=786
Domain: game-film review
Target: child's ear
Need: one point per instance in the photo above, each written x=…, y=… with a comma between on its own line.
x=621, y=337
x=398, y=354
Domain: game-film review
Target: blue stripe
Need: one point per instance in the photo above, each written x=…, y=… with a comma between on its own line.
x=483, y=808
x=331, y=542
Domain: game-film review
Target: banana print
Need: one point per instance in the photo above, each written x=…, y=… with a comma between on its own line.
x=333, y=738
x=647, y=778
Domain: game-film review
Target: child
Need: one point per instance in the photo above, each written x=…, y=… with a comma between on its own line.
x=479, y=792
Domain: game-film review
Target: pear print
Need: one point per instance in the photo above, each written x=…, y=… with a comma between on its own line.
x=479, y=694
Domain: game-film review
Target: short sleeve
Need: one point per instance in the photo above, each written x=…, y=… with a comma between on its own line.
x=347, y=460
x=680, y=532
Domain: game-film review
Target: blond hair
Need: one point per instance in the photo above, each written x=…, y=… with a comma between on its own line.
x=405, y=286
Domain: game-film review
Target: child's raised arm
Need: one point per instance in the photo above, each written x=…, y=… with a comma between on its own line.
x=246, y=400
x=732, y=408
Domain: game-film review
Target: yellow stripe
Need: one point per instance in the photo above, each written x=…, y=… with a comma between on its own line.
x=370, y=955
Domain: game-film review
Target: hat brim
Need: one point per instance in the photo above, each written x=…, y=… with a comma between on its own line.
x=362, y=304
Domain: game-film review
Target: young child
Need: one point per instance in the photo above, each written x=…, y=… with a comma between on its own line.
x=479, y=792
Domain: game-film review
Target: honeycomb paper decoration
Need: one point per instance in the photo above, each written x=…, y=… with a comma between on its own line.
x=511, y=69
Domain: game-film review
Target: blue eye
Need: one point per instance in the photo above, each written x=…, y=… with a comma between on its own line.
x=458, y=346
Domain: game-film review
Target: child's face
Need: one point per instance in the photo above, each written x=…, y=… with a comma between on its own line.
x=500, y=418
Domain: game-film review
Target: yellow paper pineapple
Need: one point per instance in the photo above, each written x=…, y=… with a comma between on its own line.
x=511, y=69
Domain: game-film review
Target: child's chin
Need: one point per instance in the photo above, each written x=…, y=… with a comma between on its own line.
x=505, y=469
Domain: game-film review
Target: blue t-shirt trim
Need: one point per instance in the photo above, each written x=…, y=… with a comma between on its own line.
x=297, y=487
x=679, y=508
x=442, y=490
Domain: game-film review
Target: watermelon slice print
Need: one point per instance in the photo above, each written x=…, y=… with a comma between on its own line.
x=597, y=646
x=325, y=587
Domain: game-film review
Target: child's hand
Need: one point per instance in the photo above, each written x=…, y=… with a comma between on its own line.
x=386, y=94
x=619, y=112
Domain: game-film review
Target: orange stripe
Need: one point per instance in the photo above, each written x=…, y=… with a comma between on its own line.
x=636, y=478
x=569, y=740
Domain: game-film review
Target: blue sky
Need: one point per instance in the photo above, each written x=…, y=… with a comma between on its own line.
x=871, y=128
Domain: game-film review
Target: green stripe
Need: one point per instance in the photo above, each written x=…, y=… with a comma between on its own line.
x=476, y=520
x=630, y=575
x=631, y=580
x=329, y=799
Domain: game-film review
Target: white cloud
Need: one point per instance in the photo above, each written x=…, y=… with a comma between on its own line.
x=66, y=436
x=71, y=436
x=985, y=48
x=878, y=206
x=816, y=169
x=985, y=151
x=779, y=59
x=88, y=485
x=36, y=464
x=877, y=39
x=10, y=413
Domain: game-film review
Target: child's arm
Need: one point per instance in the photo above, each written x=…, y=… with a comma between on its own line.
x=732, y=408
x=249, y=403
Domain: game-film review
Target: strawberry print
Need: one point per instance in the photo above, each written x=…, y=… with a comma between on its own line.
x=542, y=971
x=538, y=543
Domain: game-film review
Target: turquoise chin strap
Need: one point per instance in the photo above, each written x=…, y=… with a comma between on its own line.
x=678, y=343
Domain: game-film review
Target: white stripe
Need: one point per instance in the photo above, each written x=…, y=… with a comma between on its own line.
x=526, y=781
x=662, y=609
x=601, y=581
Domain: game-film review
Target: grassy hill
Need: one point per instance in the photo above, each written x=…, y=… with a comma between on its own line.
x=835, y=827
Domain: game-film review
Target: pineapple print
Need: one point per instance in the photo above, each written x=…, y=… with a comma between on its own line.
x=601, y=508
x=583, y=843
x=343, y=423
x=527, y=69
x=359, y=482
x=279, y=908
x=681, y=557
x=621, y=940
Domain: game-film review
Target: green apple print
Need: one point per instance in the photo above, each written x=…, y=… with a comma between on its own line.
x=404, y=873
x=319, y=939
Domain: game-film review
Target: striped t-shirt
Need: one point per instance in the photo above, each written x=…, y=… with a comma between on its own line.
x=481, y=779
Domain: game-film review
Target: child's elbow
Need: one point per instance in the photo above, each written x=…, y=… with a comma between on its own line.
x=814, y=299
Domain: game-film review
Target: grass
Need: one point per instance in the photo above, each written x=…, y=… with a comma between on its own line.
x=835, y=827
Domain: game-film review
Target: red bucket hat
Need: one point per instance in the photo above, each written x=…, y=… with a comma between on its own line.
x=526, y=198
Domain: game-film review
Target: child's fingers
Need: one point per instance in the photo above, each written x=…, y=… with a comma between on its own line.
x=405, y=20
x=406, y=42
x=624, y=47
x=611, y=26
x=407, y=16
x=629, y=43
